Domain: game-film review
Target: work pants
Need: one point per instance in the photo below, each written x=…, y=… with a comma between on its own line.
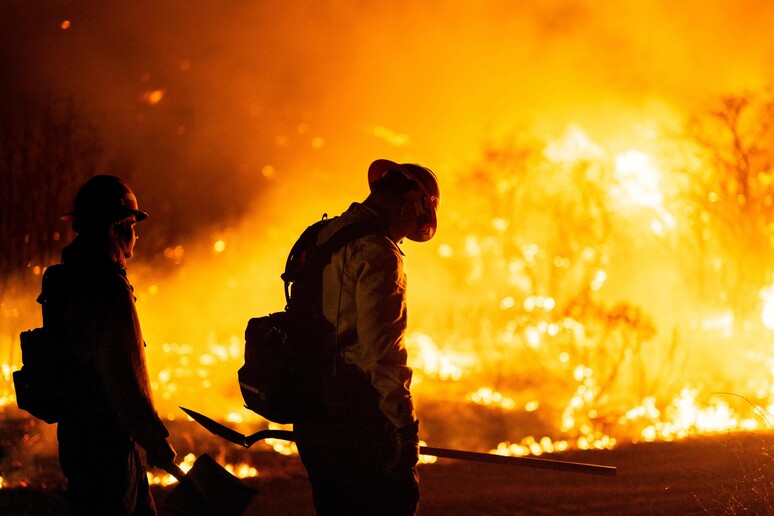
x=345, y=461
x=103, y=468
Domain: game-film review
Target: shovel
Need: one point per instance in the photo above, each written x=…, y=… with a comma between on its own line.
x=530, y=462
x=207, y=489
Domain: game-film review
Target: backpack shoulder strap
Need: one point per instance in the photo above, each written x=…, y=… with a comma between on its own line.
x=56, y=281
x=345, y=235
x=308, y=242
x=306, y=250
x=297, y=256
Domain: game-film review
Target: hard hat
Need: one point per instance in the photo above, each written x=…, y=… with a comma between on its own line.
x=426, y=199
x=103, y=199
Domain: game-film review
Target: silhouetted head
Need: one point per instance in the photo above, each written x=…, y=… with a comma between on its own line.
x=104, y=213
x=101, y=201
x=414, y=185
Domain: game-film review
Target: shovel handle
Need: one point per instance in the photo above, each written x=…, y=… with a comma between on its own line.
x=530, y=462
x=174, y=470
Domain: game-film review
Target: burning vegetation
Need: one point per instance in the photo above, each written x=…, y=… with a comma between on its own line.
x=575, y=298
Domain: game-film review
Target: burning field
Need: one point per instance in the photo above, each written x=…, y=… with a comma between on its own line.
x=601, y=286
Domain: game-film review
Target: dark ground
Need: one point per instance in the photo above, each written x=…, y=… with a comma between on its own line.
x=721, y=474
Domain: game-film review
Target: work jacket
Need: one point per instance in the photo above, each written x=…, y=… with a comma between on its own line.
x=364, y=297
x=94, y=307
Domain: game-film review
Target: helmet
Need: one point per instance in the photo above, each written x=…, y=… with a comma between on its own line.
x=103, y=199
x=426, y=198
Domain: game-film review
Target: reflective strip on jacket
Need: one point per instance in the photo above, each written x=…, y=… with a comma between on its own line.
x=364, y=290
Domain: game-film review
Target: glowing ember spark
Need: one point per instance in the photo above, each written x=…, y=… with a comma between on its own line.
x=532, y=406
x=153, y=97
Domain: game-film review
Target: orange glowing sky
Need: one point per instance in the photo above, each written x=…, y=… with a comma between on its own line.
x=324, y=87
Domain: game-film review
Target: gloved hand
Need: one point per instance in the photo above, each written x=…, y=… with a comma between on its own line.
x=406, y=451
x=160, y=454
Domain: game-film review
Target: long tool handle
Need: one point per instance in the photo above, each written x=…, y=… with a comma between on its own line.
x=530, y=462
x=174, y=470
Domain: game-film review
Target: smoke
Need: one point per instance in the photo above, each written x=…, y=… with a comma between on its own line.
x=313, y=87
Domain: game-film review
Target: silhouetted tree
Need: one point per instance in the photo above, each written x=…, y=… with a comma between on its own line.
x=730, y=190
x=47, y=149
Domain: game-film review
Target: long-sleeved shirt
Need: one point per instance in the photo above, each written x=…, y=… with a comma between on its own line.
x=95, y=308
x=364, y=293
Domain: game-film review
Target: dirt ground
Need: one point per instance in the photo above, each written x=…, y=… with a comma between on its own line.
x=721, y=474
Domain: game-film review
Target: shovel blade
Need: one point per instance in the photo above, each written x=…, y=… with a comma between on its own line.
x=209, y=489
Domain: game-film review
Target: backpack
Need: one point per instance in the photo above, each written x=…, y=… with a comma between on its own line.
x=291, y=357
x=44, y=383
